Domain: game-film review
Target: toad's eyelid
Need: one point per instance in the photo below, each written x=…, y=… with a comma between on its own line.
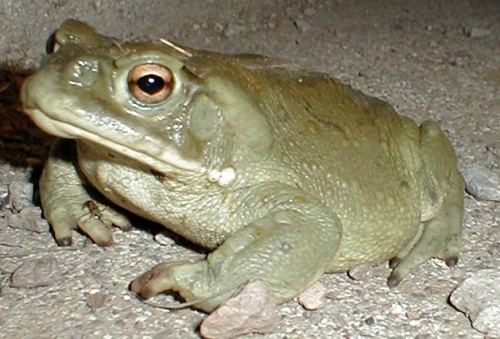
x=139, y=58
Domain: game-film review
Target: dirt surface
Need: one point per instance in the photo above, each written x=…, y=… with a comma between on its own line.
x=430, y=59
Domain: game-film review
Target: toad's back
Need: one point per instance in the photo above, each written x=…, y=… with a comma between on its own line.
x=354, y=151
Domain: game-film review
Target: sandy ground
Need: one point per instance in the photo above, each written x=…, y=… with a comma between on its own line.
x=413, y=54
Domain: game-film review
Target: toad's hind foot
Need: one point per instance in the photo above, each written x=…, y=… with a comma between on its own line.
x=440, y=239
x=441, y=229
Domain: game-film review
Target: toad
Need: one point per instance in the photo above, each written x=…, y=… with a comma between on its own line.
x=283, y=174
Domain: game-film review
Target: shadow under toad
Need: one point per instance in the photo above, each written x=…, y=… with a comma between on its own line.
x=22, y=143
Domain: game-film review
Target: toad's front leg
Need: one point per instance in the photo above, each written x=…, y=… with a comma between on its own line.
x=288, y=250
x=68, y=203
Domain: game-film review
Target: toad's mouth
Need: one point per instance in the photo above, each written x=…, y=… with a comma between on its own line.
x=165, y=159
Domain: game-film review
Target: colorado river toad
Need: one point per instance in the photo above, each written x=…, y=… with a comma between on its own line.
x=285, y=174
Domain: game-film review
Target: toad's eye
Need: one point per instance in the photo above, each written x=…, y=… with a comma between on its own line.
x=150, y=83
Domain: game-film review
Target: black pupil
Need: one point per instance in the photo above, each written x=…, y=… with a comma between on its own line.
x=151, y=83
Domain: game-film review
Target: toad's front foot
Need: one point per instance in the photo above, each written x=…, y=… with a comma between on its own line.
x=190, y=279
x=68, y=205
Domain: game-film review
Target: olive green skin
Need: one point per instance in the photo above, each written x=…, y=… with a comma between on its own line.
x=284, y=174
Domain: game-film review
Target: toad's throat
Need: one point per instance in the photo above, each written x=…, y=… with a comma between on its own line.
x=166, y=159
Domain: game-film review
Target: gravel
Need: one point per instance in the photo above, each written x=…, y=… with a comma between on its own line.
x=413, y=54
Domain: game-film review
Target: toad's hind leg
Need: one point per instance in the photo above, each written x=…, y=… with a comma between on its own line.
x=288, y=249
x=442, y=207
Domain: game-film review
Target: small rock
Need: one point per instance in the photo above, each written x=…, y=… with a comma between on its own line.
x=424, y=336
x=487, y=321
x=313, y=297
x=3, y=221
x=301, y=25
x=95, y=300
x=163, y=239
x=20, y=195
x=413, y=315
x=433, y=44
x=252, y=310
x=271, y=25
x=219, y=27
x=29, y=219
x=232, y=29
x=309, y=11
x=482, y=183
x=330, y=294
x=360, y=272
x=58, y=3
x=459, y=58
x=398, y=309
x=165, y=334
x=36, y=273
x=493, y=155
x=475, y=32
x=370, y=321
x=5, y=167
x=4, y=195
x=494, y=148
x=477, y=294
